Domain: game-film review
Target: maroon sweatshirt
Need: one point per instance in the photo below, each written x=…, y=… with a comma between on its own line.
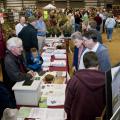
x=85, y=95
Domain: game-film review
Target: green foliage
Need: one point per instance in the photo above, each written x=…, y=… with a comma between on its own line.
x=8, y=29
x=62, y=26
x=62, y=20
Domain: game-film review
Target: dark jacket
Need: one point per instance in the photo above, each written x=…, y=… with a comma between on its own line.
x=85, y=95
x=15, y=70
x=75, y=57
x=6, y=99
x=29, y=37
x=2, y=44
x=98, y=20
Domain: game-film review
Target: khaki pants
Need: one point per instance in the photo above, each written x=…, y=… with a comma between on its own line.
x=41, y=41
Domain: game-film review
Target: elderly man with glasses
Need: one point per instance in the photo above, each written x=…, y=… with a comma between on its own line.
x=14, y=64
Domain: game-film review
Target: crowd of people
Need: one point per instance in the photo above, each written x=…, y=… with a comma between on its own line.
x=21, y=58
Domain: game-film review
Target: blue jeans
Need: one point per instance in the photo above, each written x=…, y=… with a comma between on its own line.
x=77, y=27
x=109, y=33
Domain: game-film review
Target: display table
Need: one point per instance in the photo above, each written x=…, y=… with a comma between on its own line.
x=50, y=95
x=34, y=113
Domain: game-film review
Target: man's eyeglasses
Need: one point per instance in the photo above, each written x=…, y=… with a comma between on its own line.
x=20, y=46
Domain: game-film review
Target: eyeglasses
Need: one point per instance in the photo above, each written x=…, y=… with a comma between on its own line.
x=78, y=39
x=19, y=46
x=85, y=39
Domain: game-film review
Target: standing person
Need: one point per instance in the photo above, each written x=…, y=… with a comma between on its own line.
x=29, y=37
x=85, y=92
x=71, y=20
x=6, y=99
x=16, y=15
x=14, y=64
x=85, y=18
x=110, y=24
x=105, y=15
x=91, y=43
x=41, y=30
x=20, y=25
x=98, y=20
x=2, y=51
x=92, y=26
x=78, y=20
x=78, y=49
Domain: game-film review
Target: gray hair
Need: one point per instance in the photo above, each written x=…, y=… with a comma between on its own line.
x=13, y=42
x=76, y=35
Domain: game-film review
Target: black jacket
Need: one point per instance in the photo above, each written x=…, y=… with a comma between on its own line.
x=6, y=99
x=29, y=37
x=15, y=70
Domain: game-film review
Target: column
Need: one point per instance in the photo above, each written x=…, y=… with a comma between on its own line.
x=53, y=2
x=68, y=4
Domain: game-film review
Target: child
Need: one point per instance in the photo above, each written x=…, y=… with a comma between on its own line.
x=35, y=61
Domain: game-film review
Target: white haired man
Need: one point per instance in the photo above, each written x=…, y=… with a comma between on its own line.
x=14, y=64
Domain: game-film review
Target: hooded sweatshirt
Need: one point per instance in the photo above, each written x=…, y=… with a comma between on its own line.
x=85, y=95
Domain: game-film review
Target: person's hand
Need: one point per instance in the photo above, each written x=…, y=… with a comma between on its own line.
x=31, y=73
x=74, y=69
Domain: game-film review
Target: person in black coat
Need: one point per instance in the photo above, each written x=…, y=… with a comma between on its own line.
x=29, y=37
x=14, y=63
x=6, y=98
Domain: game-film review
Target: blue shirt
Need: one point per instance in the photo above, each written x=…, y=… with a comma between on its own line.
x=110, y=23
x=40, y=25
x=35, y=63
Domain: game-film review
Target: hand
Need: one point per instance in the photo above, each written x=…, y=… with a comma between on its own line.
x=31, y=73
x=74, y=69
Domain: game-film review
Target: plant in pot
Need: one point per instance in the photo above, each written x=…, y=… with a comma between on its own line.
x=65, y=27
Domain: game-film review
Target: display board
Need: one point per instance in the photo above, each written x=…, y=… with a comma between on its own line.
x=112, y=91
x=115, y=88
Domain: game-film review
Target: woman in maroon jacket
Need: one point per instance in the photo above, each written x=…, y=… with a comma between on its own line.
x=85, y=92
x=2, y=50
x=2, y=43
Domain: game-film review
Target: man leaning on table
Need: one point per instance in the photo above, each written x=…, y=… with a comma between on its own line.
x=14, y=63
